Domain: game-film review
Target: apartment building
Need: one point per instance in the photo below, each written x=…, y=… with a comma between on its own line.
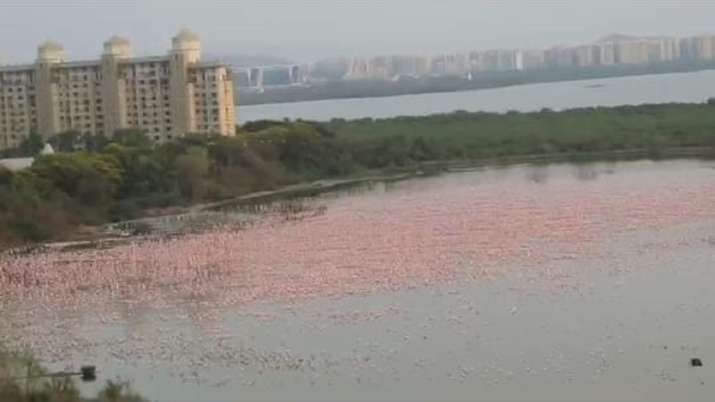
x=167, y=96
x=559, y=57
x=533, y=59
x=665, y=49
x=698, y=48
x=632, y=52
x=496, y=60
x=452, y=64
x=584, y=56
x=605, y=53
x=388, y=67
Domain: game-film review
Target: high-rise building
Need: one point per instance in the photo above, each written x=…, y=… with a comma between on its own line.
x=533, y=59
x=669, y=49
x=704, y=47
x=167, y=96
x=454, y=64
x=583, y=56
x=560, y=57
x=632, y=52
x=496, y=60
x=380, y=68
x=605, y=53
x=697, y=48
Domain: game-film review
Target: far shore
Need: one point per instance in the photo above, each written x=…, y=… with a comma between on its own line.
x=362, y=89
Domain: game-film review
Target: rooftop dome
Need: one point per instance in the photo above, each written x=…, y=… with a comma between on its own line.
x=51, y=46
x=188, y=44
x=118, y=41
x=186, y=35
x=50, y=52
x=118, y=46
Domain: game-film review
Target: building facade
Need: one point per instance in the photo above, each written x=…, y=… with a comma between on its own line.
x=388, y=67
x=698, y=48
x=534, y=59
x=584, y=56
x=166, y=96
x=605, y=53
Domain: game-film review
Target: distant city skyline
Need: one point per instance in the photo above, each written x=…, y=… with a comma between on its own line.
x=610, y=50
x=309, y=30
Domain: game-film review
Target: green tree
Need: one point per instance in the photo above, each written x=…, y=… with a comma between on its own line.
x=192, y=169
x=67, y=141
x=32, y=145
x=132, y=138
x=90, y=180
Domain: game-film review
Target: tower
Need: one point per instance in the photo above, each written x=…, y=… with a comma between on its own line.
x=185, y=51
x=48, y=54
x=114, y=86
x=118, y=47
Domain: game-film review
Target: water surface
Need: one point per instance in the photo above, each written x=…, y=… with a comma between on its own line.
x=662, y=88
x=554, y=282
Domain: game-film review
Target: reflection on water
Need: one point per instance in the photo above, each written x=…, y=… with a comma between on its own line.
x=549, y=282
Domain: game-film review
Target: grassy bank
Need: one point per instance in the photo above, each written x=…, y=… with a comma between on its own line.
x=16, y=387
x=127, y=177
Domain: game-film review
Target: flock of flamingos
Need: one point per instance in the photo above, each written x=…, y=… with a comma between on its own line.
x=392, y=237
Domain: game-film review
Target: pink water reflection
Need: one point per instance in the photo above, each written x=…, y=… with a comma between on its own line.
x=423, y=231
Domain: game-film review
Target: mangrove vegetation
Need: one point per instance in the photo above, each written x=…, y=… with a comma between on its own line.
x=93, y=180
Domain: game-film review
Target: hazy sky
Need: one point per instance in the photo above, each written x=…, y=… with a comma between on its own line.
x=309, y=29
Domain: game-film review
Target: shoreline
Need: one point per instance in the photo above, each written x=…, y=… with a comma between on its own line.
x=104, y=238
x=467, y=88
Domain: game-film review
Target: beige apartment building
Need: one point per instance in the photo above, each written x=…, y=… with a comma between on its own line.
x=388, y=67
x=698, y=47
x=647, y=50
x=605, y=53
x=167, y=96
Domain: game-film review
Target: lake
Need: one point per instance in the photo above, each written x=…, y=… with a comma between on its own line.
x=555, y=282
x=682, y=87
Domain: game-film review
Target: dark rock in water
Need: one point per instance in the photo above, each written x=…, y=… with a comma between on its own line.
x=89, y=373
x=696, y=362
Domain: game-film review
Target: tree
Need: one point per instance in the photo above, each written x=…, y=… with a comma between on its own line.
x=91, y=179
x=144, y=171
x=94, y=143
x=132, y=138
x=32, y=145
x=192, y=169
x=67, y=141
